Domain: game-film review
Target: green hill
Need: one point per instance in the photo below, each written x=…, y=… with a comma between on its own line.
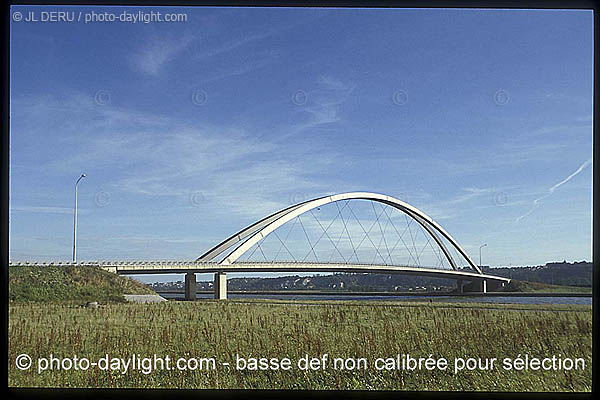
x=525, y=286
x=82, y=284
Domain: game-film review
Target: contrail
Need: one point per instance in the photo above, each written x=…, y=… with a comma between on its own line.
x=553, y=188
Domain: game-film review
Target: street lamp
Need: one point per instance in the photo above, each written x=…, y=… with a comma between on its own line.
x=481, y=247
x=75, y=221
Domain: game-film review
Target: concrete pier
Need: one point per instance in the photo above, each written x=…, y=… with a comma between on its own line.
x=476, y=286
x=494, y=285
x=220, y=286
x=190, y=286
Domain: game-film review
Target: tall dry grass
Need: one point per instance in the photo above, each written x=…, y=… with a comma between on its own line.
x=267, y=329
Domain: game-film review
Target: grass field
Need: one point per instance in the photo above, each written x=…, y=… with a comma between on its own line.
x=81, y=283
x=220, y=330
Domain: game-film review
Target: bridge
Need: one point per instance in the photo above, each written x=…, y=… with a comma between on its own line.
x=452, y=260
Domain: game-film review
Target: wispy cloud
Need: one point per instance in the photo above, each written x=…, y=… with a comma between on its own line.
x=235, y=43
x=262, y=60
x=441, y=207
x=42, y=209
x=166, y=157
x=152, y=57
x=468, y=194
x=322, y=105
x=253, y=37
x=537, y=201
x=581, y=125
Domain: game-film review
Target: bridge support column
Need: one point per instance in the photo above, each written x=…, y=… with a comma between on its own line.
x=494, y=285
x=190, y=286
x=476, y=286
x=220, y=286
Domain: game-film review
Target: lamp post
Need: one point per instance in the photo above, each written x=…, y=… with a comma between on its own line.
x=481, y=247
x=75, y=221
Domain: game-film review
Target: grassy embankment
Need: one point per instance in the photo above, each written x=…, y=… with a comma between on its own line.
x=524, y=286
x=294, y=329
x=75, y=284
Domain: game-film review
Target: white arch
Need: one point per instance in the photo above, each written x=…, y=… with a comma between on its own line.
x=262, y=228
x=244, y=233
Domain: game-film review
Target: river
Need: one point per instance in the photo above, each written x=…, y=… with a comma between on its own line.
x=450, y=299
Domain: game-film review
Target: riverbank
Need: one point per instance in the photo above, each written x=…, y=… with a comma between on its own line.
x=370, y=294
x=70, y=283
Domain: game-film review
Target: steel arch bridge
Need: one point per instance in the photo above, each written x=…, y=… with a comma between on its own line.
x=259, y=230
x=241, y=242
x=226, y=255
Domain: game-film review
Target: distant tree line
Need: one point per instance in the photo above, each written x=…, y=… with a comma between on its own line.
x=555, y=273
x=342, y=281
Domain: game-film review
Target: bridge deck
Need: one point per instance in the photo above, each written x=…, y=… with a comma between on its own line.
x=166, y=267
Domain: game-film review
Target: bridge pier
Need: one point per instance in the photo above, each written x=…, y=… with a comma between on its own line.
x=190, y=286
x=475, y=286
x=494, y=285
x=220, y=286
x=459, y=286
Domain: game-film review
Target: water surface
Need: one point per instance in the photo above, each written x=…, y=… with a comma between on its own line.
x=448, y=299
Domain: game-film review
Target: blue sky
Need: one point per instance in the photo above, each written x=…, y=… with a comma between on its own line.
x=190, y=131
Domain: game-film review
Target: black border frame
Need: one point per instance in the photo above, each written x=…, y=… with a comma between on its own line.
x=170, y=393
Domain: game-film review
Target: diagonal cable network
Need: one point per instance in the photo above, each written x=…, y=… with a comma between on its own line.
x=401, y=238
x=286, y=238
x=325, y=234
x=383, y=250
x=339, y=214
x=312, y=248
x=257, y=247
x=382, y=230
x=283, y=244
x=412, y=239
x=438, y=252
x=427, y=243
x=354, y=249
x=345, y=229
x=389, y=222
x=367, y=232
x=261, y=250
